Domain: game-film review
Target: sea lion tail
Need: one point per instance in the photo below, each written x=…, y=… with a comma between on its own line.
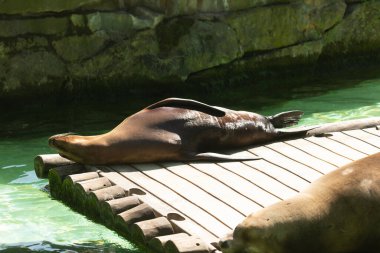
x=285, y=119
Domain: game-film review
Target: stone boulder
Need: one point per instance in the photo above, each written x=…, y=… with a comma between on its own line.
x=131, y=42
x=358, y=33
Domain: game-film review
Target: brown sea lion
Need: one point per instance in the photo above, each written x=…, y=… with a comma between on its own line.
x=175, y=130
x=340, y=212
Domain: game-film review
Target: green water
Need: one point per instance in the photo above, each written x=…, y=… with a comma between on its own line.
x=30, y=221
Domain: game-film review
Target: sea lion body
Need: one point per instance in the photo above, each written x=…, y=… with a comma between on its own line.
x=172, y=129
x=340, y=212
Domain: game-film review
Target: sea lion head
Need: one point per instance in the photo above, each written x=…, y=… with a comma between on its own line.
x=253, y=235
x=274, y=229
x=68, y=145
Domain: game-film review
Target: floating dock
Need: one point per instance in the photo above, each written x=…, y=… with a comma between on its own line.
x=187, y=207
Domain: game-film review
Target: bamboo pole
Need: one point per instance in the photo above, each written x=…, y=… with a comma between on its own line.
x=145, y=230
x=157, y=244
x=109, y=193
x=109, y=209
x=82, y=177
x=57, y=176
x=68, y=186
x=43, y=163
x=95, y=198
x=191, y=244
x=93, y=184
x=139, y=213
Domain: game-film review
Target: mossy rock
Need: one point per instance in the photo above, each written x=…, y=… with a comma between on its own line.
x=117, y=25
x=39, y=26
x=278, y=26
x=78, y=48
x=22, y=7
x=357, y=34
x=32, y=67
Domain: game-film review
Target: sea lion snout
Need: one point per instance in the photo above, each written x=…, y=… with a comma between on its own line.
x=70, y=146
x=228, y=244
x=61, y=141
x=51, y=141
x=225, y=242
x=55, y=141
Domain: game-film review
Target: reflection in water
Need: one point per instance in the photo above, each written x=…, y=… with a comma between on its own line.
x=31, y=222
x=45, y=246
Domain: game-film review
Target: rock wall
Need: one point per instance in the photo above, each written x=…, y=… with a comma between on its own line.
x=62, y=43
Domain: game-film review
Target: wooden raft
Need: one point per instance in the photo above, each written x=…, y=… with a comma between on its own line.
x=187, y=207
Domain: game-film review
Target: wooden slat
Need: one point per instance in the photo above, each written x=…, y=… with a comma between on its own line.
x=366, y=137
x=345, y=125
x=196, y=195
x=260, y=179
x=280, y=174
x=189, y=225
x=302, y=157
x=208, y=184
x=171, y=198
x=337, y=148
x=239, y=184
x=354, y=143
x=299, y=169
x=373, y=131
x=319, y=152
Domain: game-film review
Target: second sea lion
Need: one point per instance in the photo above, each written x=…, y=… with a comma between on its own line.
x=338, y=213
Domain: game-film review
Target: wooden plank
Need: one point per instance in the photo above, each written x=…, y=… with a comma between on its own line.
x=166, y=195
x=302, y=157
x=337, y=148
x=214, y=187
x=354, y=143
x=196, y=195
x=365, y=136
x=189, y=225
x=345, y=125
x=373, y=131
x=298, y=169
x=239, y=184
x=262, y=180
x=319, y=152
x=282, y=175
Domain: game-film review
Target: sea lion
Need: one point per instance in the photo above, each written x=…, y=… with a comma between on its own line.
x=340, y=212
x=175, y=130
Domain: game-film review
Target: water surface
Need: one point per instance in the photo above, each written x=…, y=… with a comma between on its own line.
x=30, y=221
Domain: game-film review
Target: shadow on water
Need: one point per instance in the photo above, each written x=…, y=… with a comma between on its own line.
x=45, y=247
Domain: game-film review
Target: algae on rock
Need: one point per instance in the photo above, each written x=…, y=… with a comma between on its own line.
x=133, y=42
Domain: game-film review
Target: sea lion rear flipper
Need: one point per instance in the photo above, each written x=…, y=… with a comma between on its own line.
x=302, y=131
x=188, y=104
x=285, y=119
x=209, y=156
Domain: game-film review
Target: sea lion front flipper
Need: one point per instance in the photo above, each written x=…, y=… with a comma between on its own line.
x=189, y=104
x=209, y=156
